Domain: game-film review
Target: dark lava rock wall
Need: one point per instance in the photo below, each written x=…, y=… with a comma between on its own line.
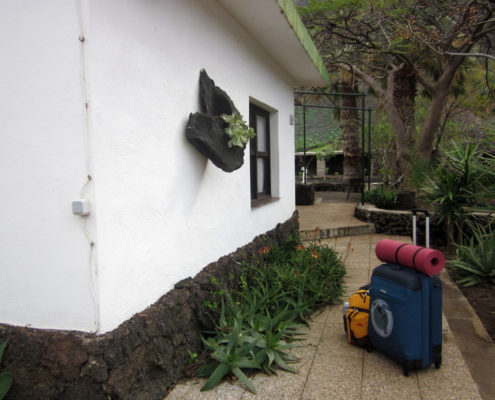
x=305, y=194
x=141, y=358
x=395, y=222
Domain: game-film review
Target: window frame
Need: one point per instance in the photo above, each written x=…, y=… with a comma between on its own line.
x=256, y=196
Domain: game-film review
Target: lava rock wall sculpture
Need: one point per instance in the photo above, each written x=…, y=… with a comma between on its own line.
x=206, y=129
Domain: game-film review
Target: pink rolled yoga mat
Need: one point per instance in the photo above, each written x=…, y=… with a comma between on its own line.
x=427, y=261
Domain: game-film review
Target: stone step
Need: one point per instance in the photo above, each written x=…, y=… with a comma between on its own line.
x=341, y=231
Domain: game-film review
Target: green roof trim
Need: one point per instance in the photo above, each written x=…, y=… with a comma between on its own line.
x=299, y=29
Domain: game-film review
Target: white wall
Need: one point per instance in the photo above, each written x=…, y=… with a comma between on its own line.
x=160, y=210
x=164, y=211
x=45, y=265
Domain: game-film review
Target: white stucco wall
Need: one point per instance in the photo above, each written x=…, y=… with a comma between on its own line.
x=164, y=211
x=160, y=210
x=45, y=268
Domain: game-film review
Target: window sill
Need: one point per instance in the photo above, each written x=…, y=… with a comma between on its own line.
x=263, y=201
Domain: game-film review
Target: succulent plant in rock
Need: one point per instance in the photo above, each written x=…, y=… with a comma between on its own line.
x=238, y=131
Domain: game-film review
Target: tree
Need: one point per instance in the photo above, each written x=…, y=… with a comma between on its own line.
x=350, y=127
x=390, y=45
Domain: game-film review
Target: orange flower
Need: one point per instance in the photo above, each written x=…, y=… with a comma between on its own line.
x=300, y=247
x=264, y=250
x=314, y=253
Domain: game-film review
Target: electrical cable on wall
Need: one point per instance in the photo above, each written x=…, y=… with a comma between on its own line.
x=93, y=272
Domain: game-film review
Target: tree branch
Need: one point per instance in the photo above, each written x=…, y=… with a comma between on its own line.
x=367, y=79
x=423, y=82
x=471, y=55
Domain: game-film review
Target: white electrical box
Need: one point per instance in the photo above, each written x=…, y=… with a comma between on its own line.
x=80, y=207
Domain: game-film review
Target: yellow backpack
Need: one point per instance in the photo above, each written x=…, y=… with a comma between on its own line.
x=356, y=313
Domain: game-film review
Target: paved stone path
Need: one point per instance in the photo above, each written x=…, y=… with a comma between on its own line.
x=330, y=368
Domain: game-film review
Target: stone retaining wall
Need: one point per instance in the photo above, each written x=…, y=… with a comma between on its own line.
x=398, y=222
x=140, y=359
x=392, y=222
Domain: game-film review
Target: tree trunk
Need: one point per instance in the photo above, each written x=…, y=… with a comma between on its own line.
x=430, y=126
x=350, y=127
x=399, y=107
x=386, y=95
x=439, y=94
x=403, y=95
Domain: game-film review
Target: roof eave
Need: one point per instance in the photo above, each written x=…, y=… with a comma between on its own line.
x=277, y=27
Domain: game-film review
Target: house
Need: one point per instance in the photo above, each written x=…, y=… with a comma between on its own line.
x=106, y=204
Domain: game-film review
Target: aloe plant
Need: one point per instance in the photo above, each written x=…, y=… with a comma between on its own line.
x=5, y=377
x=229, y=356
x=260, y=323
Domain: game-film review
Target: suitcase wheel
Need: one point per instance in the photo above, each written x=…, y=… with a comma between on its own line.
x=369, y=347
x=438, y=364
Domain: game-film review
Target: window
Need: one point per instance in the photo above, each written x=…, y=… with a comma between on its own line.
x=259, y=120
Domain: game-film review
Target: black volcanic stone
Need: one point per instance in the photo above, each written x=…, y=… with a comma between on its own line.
x=305, y=194
x=207, y=134
x=213, y=100
x=206, y=130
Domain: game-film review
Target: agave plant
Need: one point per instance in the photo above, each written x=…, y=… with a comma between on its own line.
x=464, y=177
x=475, y=259
x=273, y=350
x=230, y=355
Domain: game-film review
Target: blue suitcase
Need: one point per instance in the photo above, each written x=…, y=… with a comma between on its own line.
x=405, y=321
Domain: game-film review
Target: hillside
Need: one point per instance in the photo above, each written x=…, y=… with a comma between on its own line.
x=322, y=130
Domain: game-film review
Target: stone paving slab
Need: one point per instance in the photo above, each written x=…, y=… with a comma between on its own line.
x=330, y=368
x=327, y=215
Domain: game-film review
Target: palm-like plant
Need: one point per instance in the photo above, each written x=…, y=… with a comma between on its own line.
x=475, y=259
x=463, y=178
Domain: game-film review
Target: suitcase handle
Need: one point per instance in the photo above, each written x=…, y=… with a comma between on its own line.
x=427, y=225
x=420, y=210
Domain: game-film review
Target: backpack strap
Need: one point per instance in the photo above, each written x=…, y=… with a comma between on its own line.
x=348, y=323
x=361, y=309
x=414, y=257
x=397, y=252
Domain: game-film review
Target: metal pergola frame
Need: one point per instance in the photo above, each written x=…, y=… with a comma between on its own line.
x=363, y=110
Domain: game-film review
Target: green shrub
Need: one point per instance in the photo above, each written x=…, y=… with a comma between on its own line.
x=259, y=323
x=5, y=377
x=463, y=177
x=475, y=258
x=382, y=197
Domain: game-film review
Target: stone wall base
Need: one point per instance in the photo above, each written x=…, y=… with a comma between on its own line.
x=398, y=222
x=140, y=359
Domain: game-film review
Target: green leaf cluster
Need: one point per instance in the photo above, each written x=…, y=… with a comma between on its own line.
x=260, y=322
x=237, y=130
x=5, y=377
x=475, y=258
x=463, y=177
x=382, y=197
